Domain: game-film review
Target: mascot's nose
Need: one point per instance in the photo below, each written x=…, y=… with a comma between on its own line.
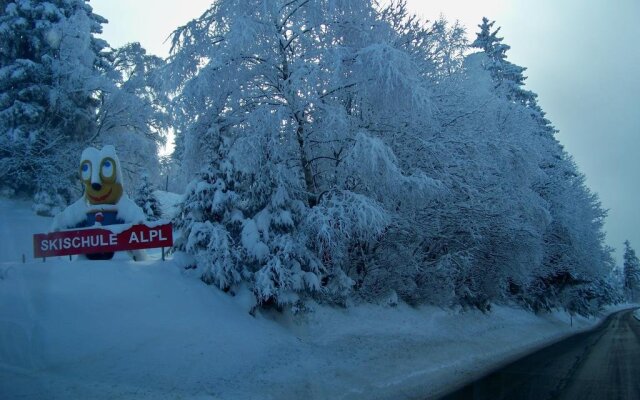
x=96, y=186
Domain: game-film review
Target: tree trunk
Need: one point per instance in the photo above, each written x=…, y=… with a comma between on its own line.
x=306, y=165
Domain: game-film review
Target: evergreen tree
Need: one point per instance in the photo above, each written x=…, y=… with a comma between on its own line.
x=147, y=200
x=207, y=205
x=507, y=76
x=51, y=75
x=631, y=273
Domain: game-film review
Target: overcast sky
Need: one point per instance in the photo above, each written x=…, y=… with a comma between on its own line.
x=582, y=58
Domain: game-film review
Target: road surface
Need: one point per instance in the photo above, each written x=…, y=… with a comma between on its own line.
x=601, y=364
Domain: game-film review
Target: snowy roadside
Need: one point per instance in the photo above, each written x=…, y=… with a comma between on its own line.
x=120, y=329
x=421, y=353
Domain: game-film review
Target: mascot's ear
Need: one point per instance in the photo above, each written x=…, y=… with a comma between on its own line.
x=90, y=153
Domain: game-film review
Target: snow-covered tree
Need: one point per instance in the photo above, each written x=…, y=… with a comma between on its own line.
x=146, y=199
x=571, y=254
x=51, y=74
x=62, y=89
x=133, y=114
x=288, y=87
x=631, y=270
x=346, y=150
x=207, y=202
x=506, y=75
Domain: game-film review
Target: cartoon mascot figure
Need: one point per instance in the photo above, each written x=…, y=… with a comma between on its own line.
x=104, y=201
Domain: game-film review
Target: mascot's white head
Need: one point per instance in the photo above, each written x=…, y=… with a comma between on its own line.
x=101, y=175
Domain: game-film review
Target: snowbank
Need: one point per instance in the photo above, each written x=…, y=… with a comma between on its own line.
x=121, y=329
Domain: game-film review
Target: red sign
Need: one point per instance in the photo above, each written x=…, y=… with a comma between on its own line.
x=101, y=240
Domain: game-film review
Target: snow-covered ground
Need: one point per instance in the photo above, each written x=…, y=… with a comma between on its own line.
x=120, y=329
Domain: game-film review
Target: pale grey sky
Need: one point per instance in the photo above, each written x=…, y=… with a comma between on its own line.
x=149, y=22
x=582, y=57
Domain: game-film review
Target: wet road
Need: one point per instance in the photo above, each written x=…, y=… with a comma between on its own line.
x=597, y=365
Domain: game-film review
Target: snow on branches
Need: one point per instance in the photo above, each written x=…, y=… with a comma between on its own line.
x=344, y=151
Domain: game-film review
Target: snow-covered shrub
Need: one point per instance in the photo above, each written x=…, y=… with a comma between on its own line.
x=342, y=228
x=147, y=200
x=48, y=204
x=7, y=192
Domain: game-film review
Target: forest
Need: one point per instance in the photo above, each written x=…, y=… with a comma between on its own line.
x=327, y=151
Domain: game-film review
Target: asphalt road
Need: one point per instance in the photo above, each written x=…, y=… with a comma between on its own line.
x=600, y=364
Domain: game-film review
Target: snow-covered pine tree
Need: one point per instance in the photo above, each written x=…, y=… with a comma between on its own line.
x=227, y=240
x=51, y=70
x=206, y=213
x=631, y=270
x=508, y=77
x=147, y=200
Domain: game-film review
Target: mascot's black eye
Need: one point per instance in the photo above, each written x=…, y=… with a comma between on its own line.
x=107, y=164
x=85, y=168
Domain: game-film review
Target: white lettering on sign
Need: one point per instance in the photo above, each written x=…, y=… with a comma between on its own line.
x=78, y=242
x=141, y=237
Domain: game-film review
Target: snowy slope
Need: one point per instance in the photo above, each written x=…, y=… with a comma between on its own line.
x=17, y=223
x=120, y=329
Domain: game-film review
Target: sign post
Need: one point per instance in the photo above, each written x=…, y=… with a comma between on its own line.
x=98, y=240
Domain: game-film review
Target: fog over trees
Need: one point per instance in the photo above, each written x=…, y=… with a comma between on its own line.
x=337, y=151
